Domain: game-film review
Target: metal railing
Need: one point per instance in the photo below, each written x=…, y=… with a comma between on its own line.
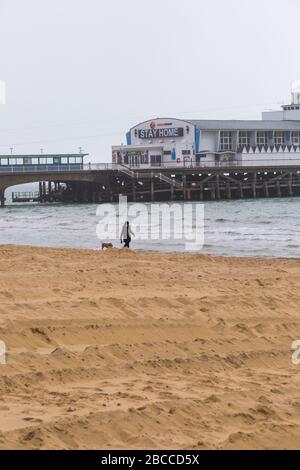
x=28, y=194
x=126, y=170
x=135, y=175
x=56, y=168
x=240, y=162
x=168, y=180
x=25, y=196
x=135, y=172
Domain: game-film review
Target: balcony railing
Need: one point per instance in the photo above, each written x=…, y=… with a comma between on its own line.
x=258, y=162
x=57, y=168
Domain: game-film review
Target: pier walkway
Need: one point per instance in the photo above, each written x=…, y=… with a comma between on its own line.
x=103, y=182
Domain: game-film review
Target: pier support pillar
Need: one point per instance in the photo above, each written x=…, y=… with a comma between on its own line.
x=184, y=186
x=201, y=192
x=254, y=185
x=44, y=189
x=266, y=189
x=218, y=196
x=228, y=190
x=152, y=190
x=291, y=184
x=278, y=188
x=2, y=197
x=85, y=195
x=133, y=191
x=40, y=192
x=172, y=192
x=241, y=190
x=213, y=192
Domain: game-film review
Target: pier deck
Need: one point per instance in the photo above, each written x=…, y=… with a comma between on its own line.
x=105, y=182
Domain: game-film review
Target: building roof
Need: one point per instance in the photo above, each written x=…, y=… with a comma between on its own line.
x=245, y=125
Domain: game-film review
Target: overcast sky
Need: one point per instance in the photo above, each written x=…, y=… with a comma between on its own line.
x=82, y=72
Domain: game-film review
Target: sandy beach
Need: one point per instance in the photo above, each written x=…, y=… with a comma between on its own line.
x=129, y=350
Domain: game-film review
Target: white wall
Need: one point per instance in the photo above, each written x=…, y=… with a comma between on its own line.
x=290, y=115
x=209, y=141
x=270, y=158
x=272, y=116
x=181, y=143
x=293, y=115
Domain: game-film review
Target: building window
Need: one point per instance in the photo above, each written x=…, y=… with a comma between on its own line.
x=155, y=160
x=296, y=138
x=144, y=158
x=186, y=152
x=262, y=138
x=226, y=140
x=244, y=138
x=278, y=138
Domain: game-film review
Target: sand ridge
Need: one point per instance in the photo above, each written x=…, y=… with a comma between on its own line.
x=124, y=349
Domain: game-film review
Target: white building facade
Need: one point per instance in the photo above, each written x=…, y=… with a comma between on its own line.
x=159, y=142
x=168, y=142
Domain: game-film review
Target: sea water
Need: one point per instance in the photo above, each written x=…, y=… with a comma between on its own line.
x=260, y=227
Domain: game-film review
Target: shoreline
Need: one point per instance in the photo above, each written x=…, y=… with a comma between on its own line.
x=142, y=251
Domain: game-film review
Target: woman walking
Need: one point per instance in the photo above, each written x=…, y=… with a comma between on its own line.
x=126, y=234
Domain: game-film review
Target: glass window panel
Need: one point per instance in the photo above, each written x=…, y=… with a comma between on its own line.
x=296, y=137
x=262, y=138
x=244, y=138
x=226, y=140
x=278, y=138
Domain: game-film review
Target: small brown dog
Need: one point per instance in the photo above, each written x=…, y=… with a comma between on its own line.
x=106, y=245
